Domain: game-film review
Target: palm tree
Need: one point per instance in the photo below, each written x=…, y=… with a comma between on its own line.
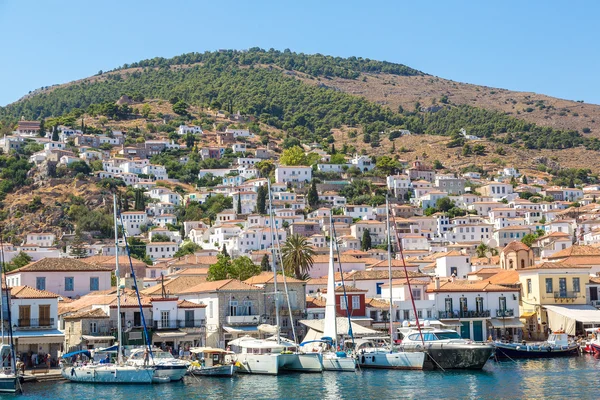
x=297, y=256
x=483, y=249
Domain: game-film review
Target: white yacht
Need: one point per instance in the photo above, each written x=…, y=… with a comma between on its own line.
x=447, y=349
x=164, y=363
x=9, y=380
x=374, y=353
x=267, y=356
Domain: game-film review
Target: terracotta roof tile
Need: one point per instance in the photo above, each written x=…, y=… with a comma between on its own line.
x=92, y=314
x=27, y=292
x=222, y=285
x=61, y=264
x=554, y=265
x=576, y=250
x=267, y=277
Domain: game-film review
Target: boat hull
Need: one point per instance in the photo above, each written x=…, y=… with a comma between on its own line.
x=9, y=384
x=221, y=370
x=392, y=360
x=524, y=351
x=108, y=374
x=301, y=362
x=265, y=364
x=173, y=372
x=455, y=355
x=335, y=363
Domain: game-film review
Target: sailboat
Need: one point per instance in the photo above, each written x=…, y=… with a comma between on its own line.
x=10, y=382
x=333, y=360
x=111, y=373
x=387, y=357
x=274, y=354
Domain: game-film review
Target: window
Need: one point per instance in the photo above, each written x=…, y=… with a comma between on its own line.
x=428, y=314
x=416, y=293
x=94, y=283
x=479, y=304
x=549, y=285
x=233, y=308
x=210, y=309
x=406, y=315
x=378, y=288
x=343, y=305
x=44, y=315
x=453, y=271
x=448, y=302
x=529, y=286
x=164, y=319
x=93, y=327
x=576, y=288
x=24, y=315
x=69, y=283
x=355, y=302
x=40, y=283
x=502, y=303
x=137, y=318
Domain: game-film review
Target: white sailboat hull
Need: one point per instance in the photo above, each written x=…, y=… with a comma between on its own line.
x=108, y=374
x=267, y=364
x=331, y=362
x=8, y=383
x=301, y=362
x=393, y=360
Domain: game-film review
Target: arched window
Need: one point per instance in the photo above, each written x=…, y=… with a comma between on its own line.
x=522, y=263
x=510, y=264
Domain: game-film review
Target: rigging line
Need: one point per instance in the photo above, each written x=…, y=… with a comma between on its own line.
x=412, y=299
x=8, y=296
x=337, y=247
x=283, y=272
x=137, y=292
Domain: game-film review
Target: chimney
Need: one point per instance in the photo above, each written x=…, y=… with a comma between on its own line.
x=437, y=282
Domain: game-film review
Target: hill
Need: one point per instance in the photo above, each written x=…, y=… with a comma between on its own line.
x=272, y=87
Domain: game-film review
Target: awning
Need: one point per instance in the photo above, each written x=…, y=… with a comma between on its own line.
x=451, y=322
x=527, y=314
x=74, y=353
x=506, y=323
x=171, y=334
x=51, y=336
x=239, y=329
x=342, y=326
x=564, y=317
x=98, y=338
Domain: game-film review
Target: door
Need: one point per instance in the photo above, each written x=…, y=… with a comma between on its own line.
x=44, y=314
x=593, y=293
x=24, y=315
x=189, y=318
x=164, y=319
x=448, y=306
x=478, y=331
x=562, y=287
x=464, y=308
x=137, y=319
x=465, y=330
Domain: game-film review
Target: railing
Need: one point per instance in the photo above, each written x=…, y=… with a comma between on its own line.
x=176, y=324
x=243, y=319
x=99, y=330
x=35, y=323
x=566, y=295
x=464, y=314
x=505, y=313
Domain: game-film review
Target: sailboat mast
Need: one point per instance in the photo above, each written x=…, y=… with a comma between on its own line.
x=1, y=291
x=330, y=323
x=273, y=260
x=389, y=249
x=118, y=276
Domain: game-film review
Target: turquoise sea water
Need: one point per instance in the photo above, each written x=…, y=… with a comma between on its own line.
x=533, y=379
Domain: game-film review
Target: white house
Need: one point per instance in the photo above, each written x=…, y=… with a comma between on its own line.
x=158, y=250
x=185, y=129
x=293, y=174
x=64, y=276
x=453, y=264
x=133, y=221
x=41, y=239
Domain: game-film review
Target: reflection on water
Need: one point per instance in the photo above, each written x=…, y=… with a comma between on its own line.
x=533, y=379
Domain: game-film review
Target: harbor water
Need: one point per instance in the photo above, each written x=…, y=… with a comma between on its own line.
x=575, y=377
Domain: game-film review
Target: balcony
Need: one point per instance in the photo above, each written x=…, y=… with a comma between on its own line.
x=566, y=295
x=505, y=313
x=242, y=319
x=464, y=314
x=180, y=323
x=35, y=323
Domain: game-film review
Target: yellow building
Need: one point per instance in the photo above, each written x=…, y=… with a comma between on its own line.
x=556, y=285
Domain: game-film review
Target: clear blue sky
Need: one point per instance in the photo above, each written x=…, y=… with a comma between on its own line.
x=548, y=47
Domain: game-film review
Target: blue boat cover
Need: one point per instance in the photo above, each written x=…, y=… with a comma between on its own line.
x=74, y=353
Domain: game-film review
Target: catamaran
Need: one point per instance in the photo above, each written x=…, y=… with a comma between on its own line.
x=333, y=360
x=119, y=372
x=274, y=354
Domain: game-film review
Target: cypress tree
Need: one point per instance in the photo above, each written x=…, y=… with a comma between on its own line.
x=366, y=240
x=313, y=195
x=264, y=263
x=239, y=204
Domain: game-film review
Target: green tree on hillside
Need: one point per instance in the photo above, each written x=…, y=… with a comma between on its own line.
x=365, y=243
x=313, y=196
x=293, y=156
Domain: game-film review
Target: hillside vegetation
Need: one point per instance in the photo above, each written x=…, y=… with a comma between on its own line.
x=264, y=85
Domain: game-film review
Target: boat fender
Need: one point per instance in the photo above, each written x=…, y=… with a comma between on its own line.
x=518, y=347
x=72, y=371
x=373, y=358
x=549, y=349
x=363, y=359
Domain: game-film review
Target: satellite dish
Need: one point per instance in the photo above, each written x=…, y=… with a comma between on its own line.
x=491, y=243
